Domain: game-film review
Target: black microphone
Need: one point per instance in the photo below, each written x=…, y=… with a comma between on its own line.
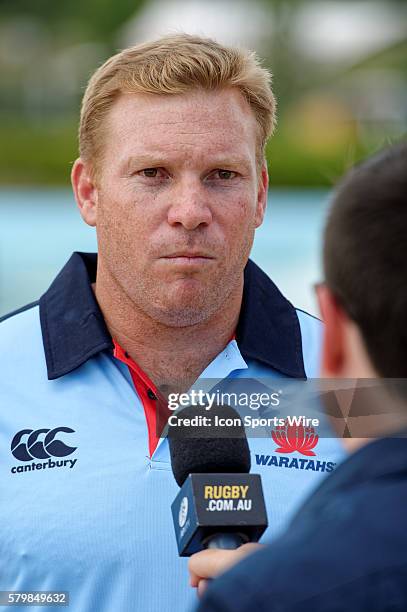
x=219, y=505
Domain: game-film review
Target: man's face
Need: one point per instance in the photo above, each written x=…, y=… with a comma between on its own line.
x=178, y=200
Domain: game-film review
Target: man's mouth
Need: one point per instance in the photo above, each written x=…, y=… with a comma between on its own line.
x=189, y=257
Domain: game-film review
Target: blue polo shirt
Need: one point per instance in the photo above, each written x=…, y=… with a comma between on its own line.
x=84, y=503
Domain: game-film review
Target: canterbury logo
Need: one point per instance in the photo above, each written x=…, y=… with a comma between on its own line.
x=29, y=444
x=290, y=438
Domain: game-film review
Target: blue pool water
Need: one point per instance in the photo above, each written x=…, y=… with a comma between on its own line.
x=39, y=229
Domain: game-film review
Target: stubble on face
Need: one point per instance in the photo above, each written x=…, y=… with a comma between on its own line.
x=134, y=232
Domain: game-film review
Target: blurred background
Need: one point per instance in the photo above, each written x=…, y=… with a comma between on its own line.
x=340, y=76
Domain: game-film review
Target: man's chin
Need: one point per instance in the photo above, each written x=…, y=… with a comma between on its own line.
x=182, y=312
x=183, y=316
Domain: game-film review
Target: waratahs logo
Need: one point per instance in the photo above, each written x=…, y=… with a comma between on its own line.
x=290, y=438
x=27, y=446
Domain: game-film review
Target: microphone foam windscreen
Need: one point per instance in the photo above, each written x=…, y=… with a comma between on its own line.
x=218, y=447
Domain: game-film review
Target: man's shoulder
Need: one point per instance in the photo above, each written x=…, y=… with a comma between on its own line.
x=311, y=327
x=266, y=584
x=311, y=338
x=307, y=316
x=19, y=330
x=18, y=311
x=313, y=573
x=321, y=560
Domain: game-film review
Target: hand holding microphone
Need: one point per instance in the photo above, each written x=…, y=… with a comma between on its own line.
x=220, y=505
x=208, y=564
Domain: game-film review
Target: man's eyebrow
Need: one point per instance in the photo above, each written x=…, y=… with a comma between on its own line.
x=146, y=160
x=226, y=161
x=142, y=161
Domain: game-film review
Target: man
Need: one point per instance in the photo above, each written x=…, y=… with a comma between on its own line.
x=346, y=549
x=172, y=175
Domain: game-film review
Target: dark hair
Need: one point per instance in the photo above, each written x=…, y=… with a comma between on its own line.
x=365, y=256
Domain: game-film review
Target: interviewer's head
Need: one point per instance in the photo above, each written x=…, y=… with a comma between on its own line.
x=364, y=298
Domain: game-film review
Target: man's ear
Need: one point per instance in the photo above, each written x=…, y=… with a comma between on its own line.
x=334, y=338
x=85, y=190
x=262, y=190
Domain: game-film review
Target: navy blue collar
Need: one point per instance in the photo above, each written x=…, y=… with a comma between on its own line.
x=73, y=328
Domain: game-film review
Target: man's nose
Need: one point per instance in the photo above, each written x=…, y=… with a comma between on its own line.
x=189, y=206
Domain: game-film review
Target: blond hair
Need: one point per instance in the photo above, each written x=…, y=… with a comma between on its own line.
x=174, y=65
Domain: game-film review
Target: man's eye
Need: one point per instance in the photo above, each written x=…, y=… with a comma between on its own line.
x=150, y=172
x=224, y=175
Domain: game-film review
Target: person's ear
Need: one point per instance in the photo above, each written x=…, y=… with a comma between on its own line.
x=262, y=190
x=334, y=335
x=85, y=190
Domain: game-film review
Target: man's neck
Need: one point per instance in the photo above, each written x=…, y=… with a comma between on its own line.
x=172, y=357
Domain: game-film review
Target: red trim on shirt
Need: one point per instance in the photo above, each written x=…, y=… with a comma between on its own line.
x=145, y=388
